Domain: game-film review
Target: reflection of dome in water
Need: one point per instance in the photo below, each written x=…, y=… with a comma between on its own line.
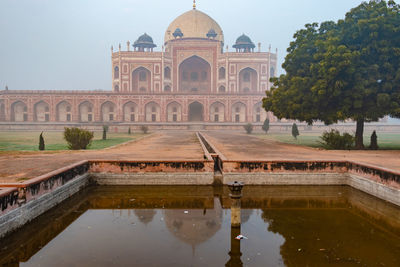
x=195, y=227
x=145, y=216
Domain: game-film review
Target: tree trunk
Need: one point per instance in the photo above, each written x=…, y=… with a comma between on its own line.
x=359, y=134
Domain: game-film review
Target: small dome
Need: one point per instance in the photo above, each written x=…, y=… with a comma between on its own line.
x=211, y=33
x=178, y=33
x=144, y=41
x=243, y=42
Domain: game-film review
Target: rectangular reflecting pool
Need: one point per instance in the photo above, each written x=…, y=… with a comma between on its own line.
x=190, y=226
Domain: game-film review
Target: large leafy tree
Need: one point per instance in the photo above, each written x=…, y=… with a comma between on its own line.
x=348, y=69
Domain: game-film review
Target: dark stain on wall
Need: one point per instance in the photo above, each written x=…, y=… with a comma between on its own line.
x=197, y=166
x=10, y=199
x=384, y=175
x=62, y=177
x=289, y=166
x=253, y=166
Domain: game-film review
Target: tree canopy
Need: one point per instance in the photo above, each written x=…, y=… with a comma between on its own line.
x=348, y=69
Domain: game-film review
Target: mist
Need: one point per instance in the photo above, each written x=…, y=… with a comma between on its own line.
x=53, y=44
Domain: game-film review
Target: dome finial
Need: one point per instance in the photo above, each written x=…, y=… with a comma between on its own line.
x=194, y=4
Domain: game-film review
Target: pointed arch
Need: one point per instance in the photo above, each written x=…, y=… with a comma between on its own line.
x=167, y=73
x=116, y=72
x=217, y=112
x=239, y=112
x=131, y=112
x=86, y=111
x=19, y=111
x=108, y=111
x=141, y=80
x=196, y=111
x=2, y=111
x=152, y=112
x=64, y=111
x=221, y=73
x=259, y=113
x=194, y=75
x=248, y=80
x=41, y=111
x=174, y=112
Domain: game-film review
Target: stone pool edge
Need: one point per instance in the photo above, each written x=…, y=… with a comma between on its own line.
x=22, y=202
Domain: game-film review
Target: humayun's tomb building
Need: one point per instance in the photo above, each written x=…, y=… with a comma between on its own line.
x=193, y=79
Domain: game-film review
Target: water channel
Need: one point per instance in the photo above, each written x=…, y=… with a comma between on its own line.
x=190, y=226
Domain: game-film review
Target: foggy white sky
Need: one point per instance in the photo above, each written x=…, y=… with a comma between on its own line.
x=65, y=44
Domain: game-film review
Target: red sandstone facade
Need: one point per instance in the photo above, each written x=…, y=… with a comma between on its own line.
x=192, y=79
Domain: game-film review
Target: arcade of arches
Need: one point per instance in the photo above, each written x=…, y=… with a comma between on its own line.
x=130, y=111
x=141, y=80
x=192, y=77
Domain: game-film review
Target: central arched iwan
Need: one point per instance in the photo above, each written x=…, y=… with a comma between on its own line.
x=195, y=75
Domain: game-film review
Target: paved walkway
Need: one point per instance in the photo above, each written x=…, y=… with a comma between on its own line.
x=17, y=166
x=237, y=146
x=183, y=145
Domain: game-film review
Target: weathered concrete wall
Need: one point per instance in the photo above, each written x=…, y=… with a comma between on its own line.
x=374, y=188
x=152, y=172
x=125, y=167
x=287, y=178
x=203, y=178
x=8, y=199
x=377, y=174
x=284, y=167
x=35, y=207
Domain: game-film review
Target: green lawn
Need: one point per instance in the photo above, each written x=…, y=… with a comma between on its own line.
x=29, y=141
x=388, y=141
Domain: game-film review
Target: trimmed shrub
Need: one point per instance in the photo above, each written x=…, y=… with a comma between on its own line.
x=129, y=131
x=249, y=128
x=144, y=129
x=105, y=130
x=77, y=138
x=265, y=126
x=295, y=131
x=41, y=142
x=334, y=140
x=374, y=141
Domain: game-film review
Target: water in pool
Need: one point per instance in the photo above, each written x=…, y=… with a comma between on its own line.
x=190, y=226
